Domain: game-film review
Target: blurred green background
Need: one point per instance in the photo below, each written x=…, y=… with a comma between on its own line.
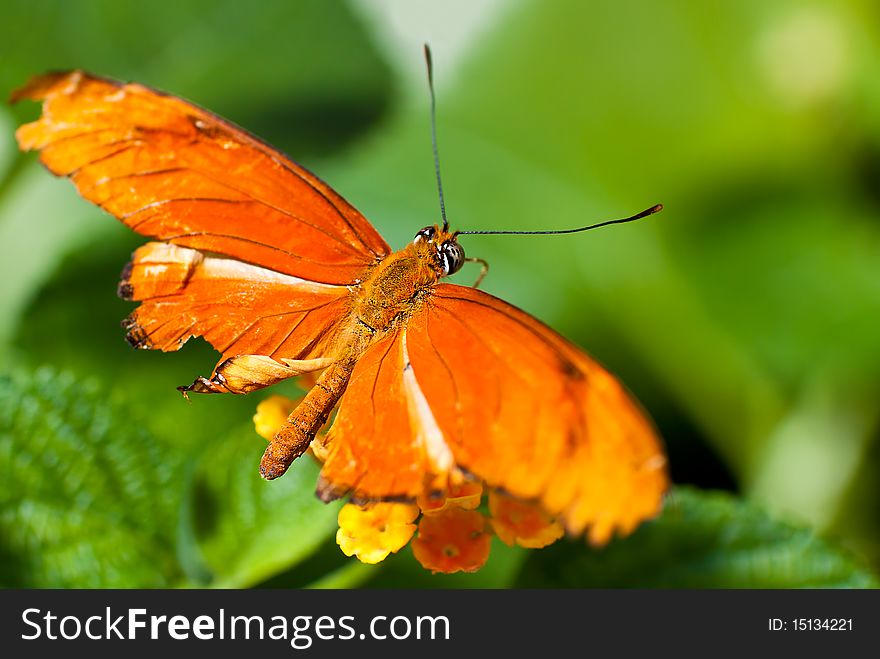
x=746, y=316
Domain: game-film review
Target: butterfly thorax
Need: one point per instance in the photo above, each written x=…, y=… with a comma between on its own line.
x=397, y=285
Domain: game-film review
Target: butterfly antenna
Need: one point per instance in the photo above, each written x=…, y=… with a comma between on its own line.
x=434, y=135
x=638, y=216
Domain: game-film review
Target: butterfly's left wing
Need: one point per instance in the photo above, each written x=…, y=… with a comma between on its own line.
x=473, y=384
x=256, y=253
x=173, y=171
x=267, y=326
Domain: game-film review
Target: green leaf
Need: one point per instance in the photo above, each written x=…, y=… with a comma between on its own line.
x=87, y=498
x=248, y=529
x=702, y=540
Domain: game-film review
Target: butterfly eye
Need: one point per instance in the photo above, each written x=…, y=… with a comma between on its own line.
x=425, y=234
x=452, y=256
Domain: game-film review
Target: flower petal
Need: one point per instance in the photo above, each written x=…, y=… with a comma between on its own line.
x=520, y=523
x=467, y=496
x=453, y=540
x=373, y=531
x=271, y=414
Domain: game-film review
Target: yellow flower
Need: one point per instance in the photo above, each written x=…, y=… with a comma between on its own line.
x=373, y=531
x=271, y=414
x=520, y=523
x=453, y=540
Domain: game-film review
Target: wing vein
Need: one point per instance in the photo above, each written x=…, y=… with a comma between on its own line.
x=378, y=372
x=298, y=322
x=106, y=156
x=249, y=197
x=500, y=309
x=460, y=421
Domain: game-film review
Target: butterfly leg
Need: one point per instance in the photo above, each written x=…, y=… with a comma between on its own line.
x=300, y=428
x=245, y=373
x=484, y=269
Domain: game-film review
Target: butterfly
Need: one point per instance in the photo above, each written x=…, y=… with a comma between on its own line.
x=434, y=384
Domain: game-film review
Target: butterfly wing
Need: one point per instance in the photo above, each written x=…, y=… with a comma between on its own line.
x=384, y=443
x=243, y=310
x=256, y=250
x=509, y=400
x=176, y=172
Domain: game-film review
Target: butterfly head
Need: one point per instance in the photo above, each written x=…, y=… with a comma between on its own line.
x=443, y=247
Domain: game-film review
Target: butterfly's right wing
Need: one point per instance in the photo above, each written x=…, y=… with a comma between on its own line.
x=474, y=385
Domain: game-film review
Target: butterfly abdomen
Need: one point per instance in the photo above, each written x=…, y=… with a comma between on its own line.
x=300, y=428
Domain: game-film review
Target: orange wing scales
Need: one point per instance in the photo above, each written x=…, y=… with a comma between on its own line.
x=385, y=443
x=544, y=421
x=237, y=307
x=173, y=171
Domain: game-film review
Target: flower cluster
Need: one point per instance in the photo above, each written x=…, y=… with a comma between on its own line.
x=449, y=531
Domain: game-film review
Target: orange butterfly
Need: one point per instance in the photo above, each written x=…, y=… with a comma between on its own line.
x=437, y=385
